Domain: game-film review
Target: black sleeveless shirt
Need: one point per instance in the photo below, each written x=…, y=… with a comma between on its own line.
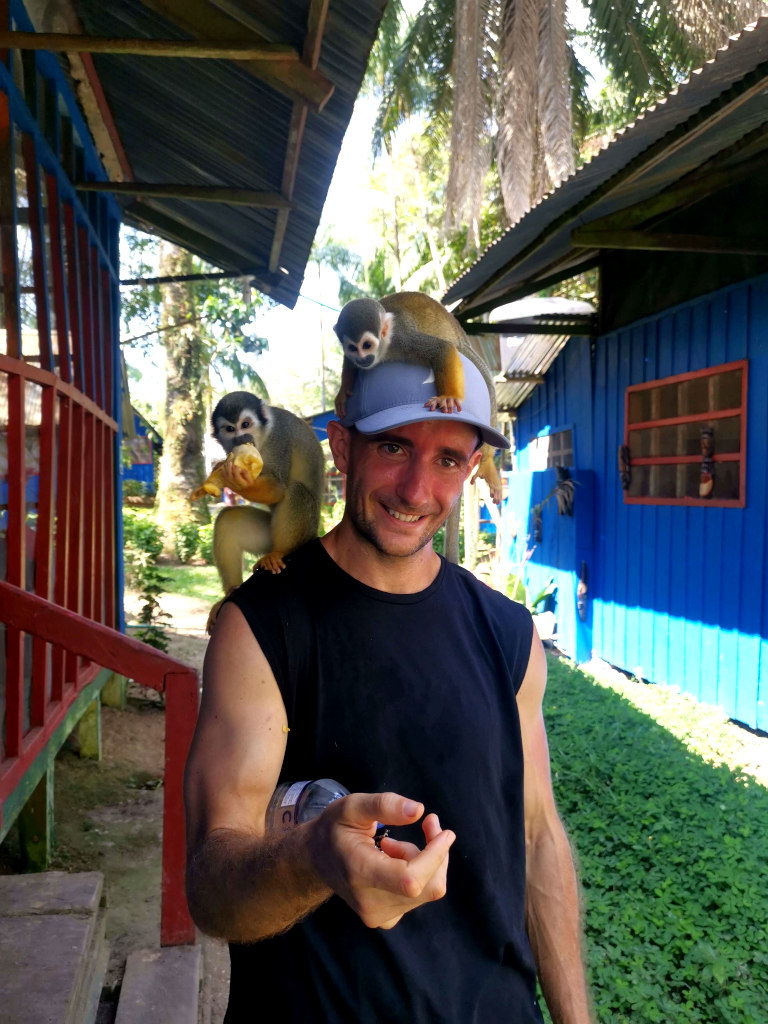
x=413, y=693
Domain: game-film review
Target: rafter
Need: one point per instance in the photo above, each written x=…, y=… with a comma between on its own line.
x=203, y=20
x=199, y=193
x=318, y=14
x=74, y=42
x=656, y=241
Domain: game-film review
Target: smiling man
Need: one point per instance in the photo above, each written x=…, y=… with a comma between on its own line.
x=373, y=661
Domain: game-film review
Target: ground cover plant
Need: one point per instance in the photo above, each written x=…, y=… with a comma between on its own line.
x=671, y=848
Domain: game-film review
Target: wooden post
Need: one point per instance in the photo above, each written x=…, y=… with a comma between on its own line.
x=89, y=731
x=36, y=824
x=114, y=692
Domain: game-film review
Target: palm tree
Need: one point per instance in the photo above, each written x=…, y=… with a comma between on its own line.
x=501, y=80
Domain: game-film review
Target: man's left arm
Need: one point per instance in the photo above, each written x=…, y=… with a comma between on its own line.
x=553, y=918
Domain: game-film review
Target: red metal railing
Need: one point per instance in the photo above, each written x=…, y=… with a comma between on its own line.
x=50, y=624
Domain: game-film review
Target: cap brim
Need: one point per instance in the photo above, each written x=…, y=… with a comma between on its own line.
x=403, y=414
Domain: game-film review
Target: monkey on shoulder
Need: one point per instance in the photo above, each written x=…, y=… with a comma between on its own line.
x=412, y=327
x=275, y=460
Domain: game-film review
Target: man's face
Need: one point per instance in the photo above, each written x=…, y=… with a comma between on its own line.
x=402, y=484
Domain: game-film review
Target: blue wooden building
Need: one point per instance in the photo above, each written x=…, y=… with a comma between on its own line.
x=654, y=408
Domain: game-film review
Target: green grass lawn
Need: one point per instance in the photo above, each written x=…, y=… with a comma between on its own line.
x=672, y=846
x=201, y=581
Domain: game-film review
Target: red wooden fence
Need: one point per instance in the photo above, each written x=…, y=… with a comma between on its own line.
x=51, y=625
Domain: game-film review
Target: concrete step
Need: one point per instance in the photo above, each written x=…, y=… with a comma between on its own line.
x=53, y=953
x=161, y=986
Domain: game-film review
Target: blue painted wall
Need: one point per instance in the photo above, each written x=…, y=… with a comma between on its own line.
x=676, y=594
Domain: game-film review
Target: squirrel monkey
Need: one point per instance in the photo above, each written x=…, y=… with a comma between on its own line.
x=289, y=481
x=411, y=327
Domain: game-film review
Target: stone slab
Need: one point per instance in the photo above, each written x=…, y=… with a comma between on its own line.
x=161, y=986
x=40, y=965
x=52, y=892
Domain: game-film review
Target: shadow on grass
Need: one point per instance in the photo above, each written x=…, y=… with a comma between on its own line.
x=673, y=858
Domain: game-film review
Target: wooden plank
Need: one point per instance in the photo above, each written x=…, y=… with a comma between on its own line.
x=43, y=551
x=100, y=339
x=36, y=824
x=77, y=498
x=10, y=266
x=75, y=42
x=104, y=484
x=86, y=312
x=73, y=297
x=15, y=571
x=100, y=644
x=57, y=273
x=203, y=21
x=657, y=241
x=61, y=550
x=92, y=491
x=30, y=372
x=318, y=15
x=199, y=193
x=38, y=252
x=117, y=162
x=181, y=701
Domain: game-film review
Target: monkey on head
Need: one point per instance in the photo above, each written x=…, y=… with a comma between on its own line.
x=289, y=481
x=411, y=327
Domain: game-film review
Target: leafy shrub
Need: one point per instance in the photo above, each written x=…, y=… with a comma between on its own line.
x=205, y=549
x=186, y=539
x=134, y=488
x=143, y=543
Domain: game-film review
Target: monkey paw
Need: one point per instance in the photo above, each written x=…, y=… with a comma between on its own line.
x=273, y=562
x=212, y=616
x=445, y=403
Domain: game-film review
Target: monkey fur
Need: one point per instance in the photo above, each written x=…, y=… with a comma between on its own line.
x=290, y=484
x=411, y=327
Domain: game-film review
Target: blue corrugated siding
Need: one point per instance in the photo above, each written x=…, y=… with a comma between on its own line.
x=678, y=594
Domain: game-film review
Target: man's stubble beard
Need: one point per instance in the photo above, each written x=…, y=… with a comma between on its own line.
x=366, y=529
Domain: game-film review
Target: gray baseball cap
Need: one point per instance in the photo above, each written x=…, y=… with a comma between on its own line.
x=393, y=394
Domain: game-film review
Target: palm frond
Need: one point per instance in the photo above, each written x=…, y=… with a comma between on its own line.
x=554, y=109
x=516, y=142
x=470, y=152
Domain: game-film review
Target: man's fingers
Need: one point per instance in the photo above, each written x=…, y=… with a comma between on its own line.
x=397, y=849
x=366, y=809
x=405, y=875
x=431, y=827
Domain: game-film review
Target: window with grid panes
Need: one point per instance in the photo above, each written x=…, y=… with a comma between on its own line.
x=686, y=437
x=555, y=449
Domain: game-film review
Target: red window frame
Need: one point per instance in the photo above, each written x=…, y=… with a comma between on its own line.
x=699, y=417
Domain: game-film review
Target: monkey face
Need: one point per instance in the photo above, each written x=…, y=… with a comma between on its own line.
x=364, y=352
x=237, y=419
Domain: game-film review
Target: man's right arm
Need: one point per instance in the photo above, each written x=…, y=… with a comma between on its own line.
x=244, y=885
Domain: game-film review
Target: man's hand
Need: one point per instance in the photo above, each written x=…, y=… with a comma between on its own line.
x=380, y=885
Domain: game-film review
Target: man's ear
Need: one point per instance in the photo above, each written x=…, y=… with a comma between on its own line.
x=339, y=441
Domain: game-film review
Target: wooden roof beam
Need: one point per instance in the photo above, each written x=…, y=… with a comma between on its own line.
x=566, y=325
x=74, y=42
x=652, y=241
x=202, y=20
x=198, y=193
x=316, y=19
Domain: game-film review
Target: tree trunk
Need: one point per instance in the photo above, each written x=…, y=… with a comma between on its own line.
x=182, y=467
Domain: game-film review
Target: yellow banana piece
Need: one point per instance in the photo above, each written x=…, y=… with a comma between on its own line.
x=245, y=457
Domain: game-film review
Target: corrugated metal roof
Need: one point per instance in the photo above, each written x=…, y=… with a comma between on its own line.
x=212, y=123
x=528, y=356
x=718, y=106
